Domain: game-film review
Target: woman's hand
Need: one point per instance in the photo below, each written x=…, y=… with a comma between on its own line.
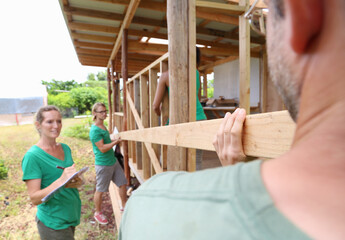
x=228, y=141
x=75, y=183
x=67, y=173
x=117, y=140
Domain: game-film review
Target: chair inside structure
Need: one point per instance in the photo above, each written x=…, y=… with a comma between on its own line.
x=138, y=40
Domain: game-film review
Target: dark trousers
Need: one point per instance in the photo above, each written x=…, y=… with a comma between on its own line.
x=47, y=233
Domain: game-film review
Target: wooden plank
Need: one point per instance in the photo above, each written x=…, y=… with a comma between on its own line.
x=161, y=6
x=263, y=82
x=92, y=27
x=164, y=117
x=110, y=107
x=260, y=4
x=124, y=70
x=218, y=62
x=115, y=199
x=191, y=61
x=132, y=120
x=152, y=65
x=113, y=89
x=144, y=113
x=153, y=116
x=148, y=146
x=265, y=135
x=204, y=84
x=191, y=153
x=220, y=7
x=137, y=172
x=159, y=23
x=129, y=127
x=137, y=107
x=178, y=35
x=244, y=31
x=132, y=7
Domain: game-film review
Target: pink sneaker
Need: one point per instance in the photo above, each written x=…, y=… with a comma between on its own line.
x=100, y=218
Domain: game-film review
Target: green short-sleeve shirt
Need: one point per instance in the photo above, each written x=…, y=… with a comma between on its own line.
x=223, y=203
x=96, y=134
x=64, y=208
x=200, y=114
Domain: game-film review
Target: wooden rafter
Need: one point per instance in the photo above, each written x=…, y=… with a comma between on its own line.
x=125, y=24
x=200, y=11
x=261, y=3
x=152, y=23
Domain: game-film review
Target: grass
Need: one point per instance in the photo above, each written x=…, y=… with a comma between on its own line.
x=17, y=214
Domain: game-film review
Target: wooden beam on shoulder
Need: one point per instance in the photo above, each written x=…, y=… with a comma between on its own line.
x=266, y=135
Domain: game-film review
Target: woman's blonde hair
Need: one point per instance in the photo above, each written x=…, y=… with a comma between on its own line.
x=94, y=107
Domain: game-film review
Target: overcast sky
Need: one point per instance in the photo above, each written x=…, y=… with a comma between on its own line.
x=35, y=45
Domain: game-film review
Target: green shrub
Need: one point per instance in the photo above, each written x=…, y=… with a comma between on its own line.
x=84, y=97
x=3, y=170
x=79, y=130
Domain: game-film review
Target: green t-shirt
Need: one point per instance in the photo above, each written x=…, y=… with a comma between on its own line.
x=200, y=114
x=64, y=208
x=96, y=134
x=222, y=203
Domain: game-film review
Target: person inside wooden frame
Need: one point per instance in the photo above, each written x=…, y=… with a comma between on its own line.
x=299, y=195
x=163, y=85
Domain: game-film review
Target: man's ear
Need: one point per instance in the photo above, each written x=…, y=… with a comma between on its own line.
x=305, y=19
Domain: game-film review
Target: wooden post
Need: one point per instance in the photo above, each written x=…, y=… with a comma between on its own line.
x=191, y=159
x=144, y=107
x=164, y=118
x=244, y=35
x=137, y=107
x=124, y=56
x=113, y=86
x=153, y=115
x=111, y=129
x=132, y=120
x=182, y=67
x=117, y=92
x=129, y=126
x=263, y=82
x=204, y=75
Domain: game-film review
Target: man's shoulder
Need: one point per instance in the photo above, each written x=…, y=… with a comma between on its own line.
x=210, y=180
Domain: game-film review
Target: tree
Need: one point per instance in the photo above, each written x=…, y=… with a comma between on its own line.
x=91, y=77
x=102, y=76
x=85, y=97
x=55, y=86
x=93, y=84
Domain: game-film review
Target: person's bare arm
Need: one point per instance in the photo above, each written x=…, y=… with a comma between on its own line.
x=34, y=185
x=228, y=141
x=162, y=84
x=106, y=147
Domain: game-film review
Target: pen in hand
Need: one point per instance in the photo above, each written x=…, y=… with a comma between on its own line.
x=59, y=167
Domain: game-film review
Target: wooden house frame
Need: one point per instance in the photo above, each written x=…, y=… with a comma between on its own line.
x=109, y=33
